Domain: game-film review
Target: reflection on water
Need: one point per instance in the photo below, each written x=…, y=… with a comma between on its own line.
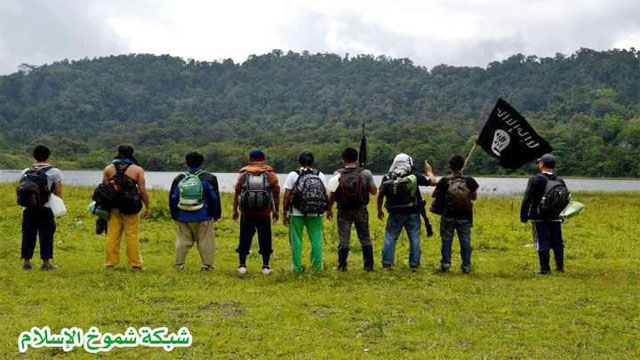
x=488, y=185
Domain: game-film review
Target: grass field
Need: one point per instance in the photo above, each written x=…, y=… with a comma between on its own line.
x=501, y=310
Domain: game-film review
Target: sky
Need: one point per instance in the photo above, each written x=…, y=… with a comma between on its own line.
x=429, y=32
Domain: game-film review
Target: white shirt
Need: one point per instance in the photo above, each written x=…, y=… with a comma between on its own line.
x=334, y=182
x=290, y=183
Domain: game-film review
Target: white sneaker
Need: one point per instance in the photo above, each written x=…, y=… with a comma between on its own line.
x=242, y=270
x=266, y=271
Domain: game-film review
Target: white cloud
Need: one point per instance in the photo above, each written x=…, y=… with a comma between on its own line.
x=456, y=32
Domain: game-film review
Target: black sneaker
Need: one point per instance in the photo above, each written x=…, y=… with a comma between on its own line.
x=48, y=267
x=27, y=266
x=445, y=268
x=206, y=268
x=542, y=272
x=466, y=269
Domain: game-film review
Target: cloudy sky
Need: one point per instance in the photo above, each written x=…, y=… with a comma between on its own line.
x=430, y=32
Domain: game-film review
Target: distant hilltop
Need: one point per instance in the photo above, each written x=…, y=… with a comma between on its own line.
x=586, y=105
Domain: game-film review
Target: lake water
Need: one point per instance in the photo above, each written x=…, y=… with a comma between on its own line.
x=488, y=185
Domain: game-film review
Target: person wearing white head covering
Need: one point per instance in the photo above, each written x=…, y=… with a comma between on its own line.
x=402, y=165
x=400, y=188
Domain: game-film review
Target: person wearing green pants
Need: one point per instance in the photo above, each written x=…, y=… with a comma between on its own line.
x=305, y=201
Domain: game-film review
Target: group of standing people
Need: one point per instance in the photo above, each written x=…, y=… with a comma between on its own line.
x=194, y=202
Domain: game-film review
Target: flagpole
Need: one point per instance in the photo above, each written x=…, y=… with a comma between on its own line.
x=466, y=161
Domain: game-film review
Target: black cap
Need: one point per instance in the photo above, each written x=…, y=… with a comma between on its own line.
x=126, y=151
x=548, y=160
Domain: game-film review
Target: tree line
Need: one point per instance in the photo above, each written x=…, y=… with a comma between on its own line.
x=587, y=105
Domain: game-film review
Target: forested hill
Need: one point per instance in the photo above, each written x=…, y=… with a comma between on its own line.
x=587, y=105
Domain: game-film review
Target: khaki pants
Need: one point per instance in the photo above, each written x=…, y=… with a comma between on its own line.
x=201, y=233
x=130, y=226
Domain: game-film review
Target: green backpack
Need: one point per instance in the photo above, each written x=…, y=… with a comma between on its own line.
x=191, y=192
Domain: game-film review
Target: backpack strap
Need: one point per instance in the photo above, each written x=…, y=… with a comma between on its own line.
x=266, y=180
x=43, y=169
x=39, y=170
x=243, y=180
x=301, y=172
x=120, y=170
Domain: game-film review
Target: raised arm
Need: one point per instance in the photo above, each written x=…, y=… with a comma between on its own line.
x=428, y=171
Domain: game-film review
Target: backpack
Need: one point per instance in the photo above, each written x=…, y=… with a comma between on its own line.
x=33, y=190
x=400, y=191
x=104, y=195
x=191, y=192
x=352, y=191
x=458, y=195
x=555, y=199
x=119, y=192
x=309, y=193
x=255, y=191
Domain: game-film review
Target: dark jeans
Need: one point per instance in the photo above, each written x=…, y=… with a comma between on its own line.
x=448, y=228
x=37, y=222
x=547, y=235
x=359, y=218
x=249, y=225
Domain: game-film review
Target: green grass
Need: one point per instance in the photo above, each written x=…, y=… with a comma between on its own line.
x=501, y=310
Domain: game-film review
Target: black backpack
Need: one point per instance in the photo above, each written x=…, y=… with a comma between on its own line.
x=400, y=191
x=352, y=191
x=309, y=192
x=255, y=191
x=555, y=199
x=33, y=190
x=119, y=192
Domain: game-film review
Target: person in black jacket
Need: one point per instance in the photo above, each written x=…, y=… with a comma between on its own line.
x=547, y=233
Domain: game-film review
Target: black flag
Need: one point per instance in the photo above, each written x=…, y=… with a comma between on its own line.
x=508, y=137
x=363, y=149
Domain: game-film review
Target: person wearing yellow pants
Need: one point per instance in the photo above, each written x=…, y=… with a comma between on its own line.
x=129, y=225
x=127, y=176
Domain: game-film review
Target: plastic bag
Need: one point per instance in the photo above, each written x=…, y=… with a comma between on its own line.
x=574, y=208
x=98, y=211
x=57, y=206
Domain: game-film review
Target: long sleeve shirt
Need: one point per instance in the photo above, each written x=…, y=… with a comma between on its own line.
x=211, y=210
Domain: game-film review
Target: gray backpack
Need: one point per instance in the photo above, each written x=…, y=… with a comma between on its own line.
x=458, y=195
x=255, y=191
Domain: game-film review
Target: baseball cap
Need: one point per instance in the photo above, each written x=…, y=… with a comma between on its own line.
x=549, y=160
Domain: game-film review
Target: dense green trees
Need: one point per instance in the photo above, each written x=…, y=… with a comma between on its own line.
x=587, y=105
